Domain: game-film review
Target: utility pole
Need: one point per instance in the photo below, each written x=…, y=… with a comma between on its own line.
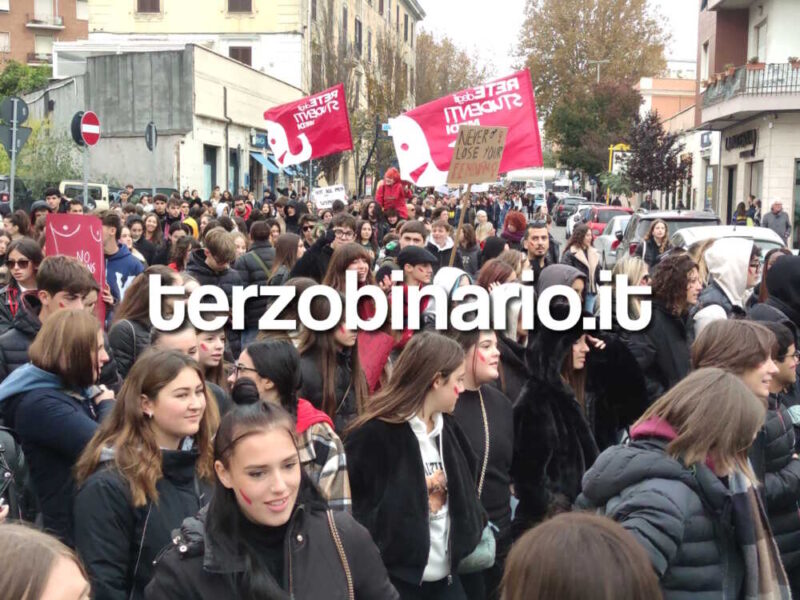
x=598, y=63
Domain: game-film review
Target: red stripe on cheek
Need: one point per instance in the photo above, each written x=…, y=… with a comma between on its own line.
x=203, y=347
x=245, y=498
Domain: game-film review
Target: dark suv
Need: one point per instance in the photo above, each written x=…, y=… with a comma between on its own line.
x=565, y=208
x=640, y=223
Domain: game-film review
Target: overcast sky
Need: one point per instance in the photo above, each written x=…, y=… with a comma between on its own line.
x=490, y=32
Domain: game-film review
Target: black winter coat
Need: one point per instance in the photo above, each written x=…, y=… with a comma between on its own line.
x=119, y=542
x=6, y=295
x=147, y=249
x=390, y=497
x=553, y=442
x=128, y=339
x=443, y=257
x=252, y=273
x=200, y=567
x=662, y=350
x=15, y=486
x=681, y=516
x=648, y=252
x=513, y=370
x=314, y=263
x=15, y=342
x=470, y=260
x=771, y=456
x=312, y=386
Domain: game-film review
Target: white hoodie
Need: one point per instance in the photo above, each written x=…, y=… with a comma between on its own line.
x=430, y=447
x=727, y=260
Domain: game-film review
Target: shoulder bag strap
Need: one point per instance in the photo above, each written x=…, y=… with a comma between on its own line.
x=133, y=334
x=261, y=264
x=486, y=445
x=342, y=556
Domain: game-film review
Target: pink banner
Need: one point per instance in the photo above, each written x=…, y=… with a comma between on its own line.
x=424, y=137
x=79, y=236
x=310, y=128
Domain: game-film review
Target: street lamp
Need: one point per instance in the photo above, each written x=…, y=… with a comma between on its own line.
x=598, y=63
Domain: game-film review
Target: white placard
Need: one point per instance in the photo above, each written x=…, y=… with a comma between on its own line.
x=325, y=197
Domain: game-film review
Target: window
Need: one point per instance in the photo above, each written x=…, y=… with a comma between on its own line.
x=755, y=178
x=704, y=63
x=148, y=6
x=358, y=36
x=4, y=5
x=761, y=41
x=344, y=23
x=43, y=45
x=244, y=54
x=405, y=28
x=380, y=7
x=412, y=34
x=82, y=10
x=240, y=6
x=5, y=41
x=313, y=10
x=369, y=45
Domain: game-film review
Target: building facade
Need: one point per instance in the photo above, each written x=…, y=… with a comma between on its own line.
x=28, y=28
x=750, y=93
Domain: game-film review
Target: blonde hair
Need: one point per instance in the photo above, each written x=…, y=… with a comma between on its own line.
x=697, y=252
x=634, y=268
x=693, y=408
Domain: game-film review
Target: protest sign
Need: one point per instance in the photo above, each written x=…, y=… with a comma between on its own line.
x=424, y=137
x=81, y=237
x=326, y=196
x=310, y=128
x=477, y=155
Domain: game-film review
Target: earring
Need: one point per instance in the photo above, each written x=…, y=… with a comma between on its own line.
x=148, y=415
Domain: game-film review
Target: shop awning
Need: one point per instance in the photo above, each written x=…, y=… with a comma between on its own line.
x=265, y=162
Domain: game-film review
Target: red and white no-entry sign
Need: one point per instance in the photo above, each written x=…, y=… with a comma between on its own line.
x=90, y=128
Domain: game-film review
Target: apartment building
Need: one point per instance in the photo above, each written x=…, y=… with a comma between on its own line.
x=749, y=92
x=28, y=28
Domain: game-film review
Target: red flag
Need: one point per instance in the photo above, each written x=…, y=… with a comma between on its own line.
x=310, y=128
x=79, y=236
x=424, y=137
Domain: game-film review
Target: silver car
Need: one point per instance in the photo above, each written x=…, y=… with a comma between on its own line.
x=607, y=242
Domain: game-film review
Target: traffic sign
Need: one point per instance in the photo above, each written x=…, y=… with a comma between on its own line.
x=23, y=133
x=7, y=110
x=151, y=136
x=90, y=128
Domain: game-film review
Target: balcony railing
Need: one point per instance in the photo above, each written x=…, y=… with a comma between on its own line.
x=39, y=57
x=44, y=21
x=772, y=80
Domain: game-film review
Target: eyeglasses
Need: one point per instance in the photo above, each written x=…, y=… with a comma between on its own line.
x=344, y=234
x=237, y=368
x=755, y=265
x=308, y=227
x=21, y=263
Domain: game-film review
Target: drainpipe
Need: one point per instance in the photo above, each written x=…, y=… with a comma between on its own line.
x=227, y=129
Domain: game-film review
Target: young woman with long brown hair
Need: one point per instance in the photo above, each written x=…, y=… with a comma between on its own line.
x=413, y=473
x=146, y=469
x=333, y=380
x=288, y=250
x=580, y=253
x=685, y=489
x=352, y=257
x=655, y=243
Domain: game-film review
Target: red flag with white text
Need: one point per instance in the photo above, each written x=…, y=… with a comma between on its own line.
x=424, y=138
x=310, y=128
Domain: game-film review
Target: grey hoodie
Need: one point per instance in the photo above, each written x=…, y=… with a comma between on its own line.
x=558, y=275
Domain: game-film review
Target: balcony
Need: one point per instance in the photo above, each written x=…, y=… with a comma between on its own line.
x=49, y=22
x=729, y=4
x=750, y=90
x=40, y=58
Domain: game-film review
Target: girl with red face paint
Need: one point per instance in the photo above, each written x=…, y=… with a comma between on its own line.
x=487, y=418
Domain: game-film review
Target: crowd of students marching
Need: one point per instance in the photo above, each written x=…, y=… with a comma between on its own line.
x=407, y=464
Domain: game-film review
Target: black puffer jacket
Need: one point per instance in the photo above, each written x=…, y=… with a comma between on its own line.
x=128, y=339
x=119, y=542
x=680, y=515
x=772, y=458
x=513, y=371
x=312, y=386
x=253, y=273
x=387, y=478
x=314, y=263
x=15, y=342
x=553, y=442
x=8, y=294
x=662, y=350
x=15, y=486
x=200, y=567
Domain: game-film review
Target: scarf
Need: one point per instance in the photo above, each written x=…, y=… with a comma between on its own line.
x=513, y=237
x=764, y=577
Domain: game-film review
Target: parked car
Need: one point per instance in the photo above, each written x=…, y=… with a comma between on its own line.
x=23, y=198
x=139, y=192
x=565, y=208
x=98, y=193
x=675, y=219
x=598, y=217
x=606, y=243
x=580, y=215
x=763, y=237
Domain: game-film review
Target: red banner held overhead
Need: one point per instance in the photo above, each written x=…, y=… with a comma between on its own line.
x=79, y=236
x=424, y=138
x=310, y=128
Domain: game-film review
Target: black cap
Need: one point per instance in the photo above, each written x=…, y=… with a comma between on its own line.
x=414, y=255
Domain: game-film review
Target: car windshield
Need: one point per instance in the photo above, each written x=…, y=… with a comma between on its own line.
x=604, y=216
x=672, y=226
x=620, y=223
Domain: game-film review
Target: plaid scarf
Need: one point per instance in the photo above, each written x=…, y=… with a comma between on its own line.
x=764, y=577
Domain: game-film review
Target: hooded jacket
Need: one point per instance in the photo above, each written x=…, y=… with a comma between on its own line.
x=119, y=542
x=553, y=442
x=392, y=196
x=442, y=253
x=783, y=285
x=121, y=269
x=728, y=261
x=390, y=494
x=513, y=370
x=558, y=275
x=198, y=566
x=681, y=516
x=54, y=425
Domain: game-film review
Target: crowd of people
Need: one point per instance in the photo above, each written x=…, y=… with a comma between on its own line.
x=413, y=463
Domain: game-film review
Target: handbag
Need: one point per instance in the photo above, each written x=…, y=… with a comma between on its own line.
x=337, y=540
x=482, y=557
